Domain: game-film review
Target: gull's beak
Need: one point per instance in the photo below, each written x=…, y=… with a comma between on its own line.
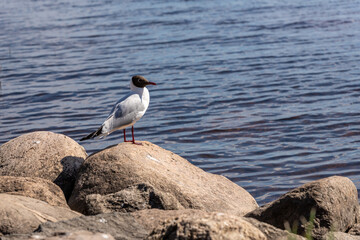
x=151, y=83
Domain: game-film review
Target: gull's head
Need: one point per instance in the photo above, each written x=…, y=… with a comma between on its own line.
x=140, y=81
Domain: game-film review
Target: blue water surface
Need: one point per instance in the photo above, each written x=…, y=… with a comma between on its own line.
x=263, y=92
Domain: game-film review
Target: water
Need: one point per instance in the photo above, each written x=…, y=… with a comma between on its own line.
x=263, y=92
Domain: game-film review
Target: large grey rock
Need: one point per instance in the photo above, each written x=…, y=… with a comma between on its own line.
x=47, y=155
x=207, y=226
x=129, y=177
x=335, y=200
x=37, y=188
x=19, y=214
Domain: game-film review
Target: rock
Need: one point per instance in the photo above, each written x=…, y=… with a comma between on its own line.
x=82, y=235
x=273, y=233
x=152, y=218
x=118, y=225
x=339, y=236
x=79, y=235
x=134, y=225
x=19, y=214
x=207, y=226
x=127, y=200
x=334, y=200
x=139, y=224
x=37, y=188
x=355, y=229
x=130, y=177
x=47, y=155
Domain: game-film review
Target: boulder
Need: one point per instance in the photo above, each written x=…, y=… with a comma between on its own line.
x=19, y=214
x=339, y=236
x=207, y=226
x=78, y=235
x=118, y=225
x=37, y=188
x=130, y=177
x=47, y=155
x=153, y=218
x=139, y=224
x=334, y=200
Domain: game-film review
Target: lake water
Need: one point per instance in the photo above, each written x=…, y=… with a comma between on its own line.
x=266, y=93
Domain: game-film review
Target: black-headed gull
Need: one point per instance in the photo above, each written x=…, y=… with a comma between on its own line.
x=127, y=111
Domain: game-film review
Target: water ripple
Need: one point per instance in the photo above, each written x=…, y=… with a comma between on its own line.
x=266, y=94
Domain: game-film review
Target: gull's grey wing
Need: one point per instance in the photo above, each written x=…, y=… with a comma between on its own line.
x=124, y=113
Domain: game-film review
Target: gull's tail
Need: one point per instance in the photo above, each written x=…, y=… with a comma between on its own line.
x=93, y=134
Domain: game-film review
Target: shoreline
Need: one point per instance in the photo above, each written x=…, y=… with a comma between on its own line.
x=154, y=193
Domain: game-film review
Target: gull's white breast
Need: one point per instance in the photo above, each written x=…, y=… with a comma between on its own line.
x=127, y=111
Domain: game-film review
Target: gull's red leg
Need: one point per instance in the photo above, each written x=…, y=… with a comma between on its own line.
x=125, y=136
x=133, y=138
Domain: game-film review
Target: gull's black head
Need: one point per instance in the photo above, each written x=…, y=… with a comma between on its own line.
x=140, y=81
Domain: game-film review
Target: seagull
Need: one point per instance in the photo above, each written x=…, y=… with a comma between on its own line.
x=127, y=111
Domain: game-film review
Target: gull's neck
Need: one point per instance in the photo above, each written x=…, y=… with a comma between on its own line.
x=136, y=89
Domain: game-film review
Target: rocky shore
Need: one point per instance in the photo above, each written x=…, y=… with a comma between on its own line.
x=51, y=189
